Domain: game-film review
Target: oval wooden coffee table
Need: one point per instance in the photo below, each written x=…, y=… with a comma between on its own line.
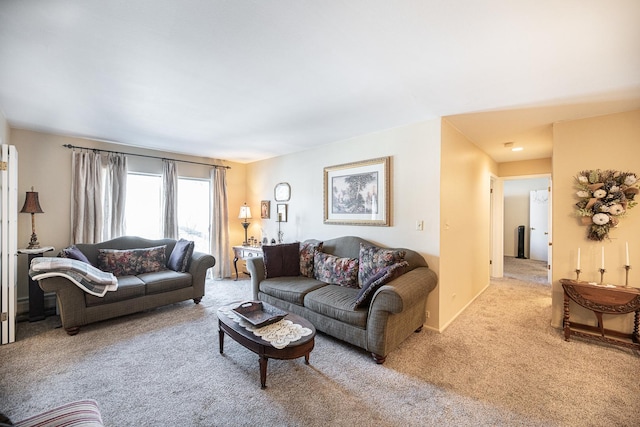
x=264, y=349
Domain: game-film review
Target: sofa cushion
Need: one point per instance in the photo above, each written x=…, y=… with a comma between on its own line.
x=281, y=260
x=128, y=262
x=128, y=287
x=382, y=277
x=165, y=281
x=336, y=302
x=181, y=255
x=291, y=289
x=73, y=252
x=307, y=253
x=336, y=271
x=373, y=259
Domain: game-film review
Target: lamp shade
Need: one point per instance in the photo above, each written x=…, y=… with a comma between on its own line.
x=31, y=203
x=245, y=212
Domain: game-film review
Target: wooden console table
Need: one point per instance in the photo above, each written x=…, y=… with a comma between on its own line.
x=244, y=252
x=602, y=300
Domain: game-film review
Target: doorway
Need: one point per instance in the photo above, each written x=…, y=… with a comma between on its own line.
x=525, y=257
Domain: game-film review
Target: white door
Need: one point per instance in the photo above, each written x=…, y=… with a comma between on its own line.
x=9, y=239
x=539, y=225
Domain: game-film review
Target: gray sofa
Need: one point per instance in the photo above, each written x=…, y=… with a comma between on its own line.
x=135, y=293
x=396, y=311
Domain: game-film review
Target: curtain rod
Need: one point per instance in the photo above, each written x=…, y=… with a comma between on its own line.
x=144, y=155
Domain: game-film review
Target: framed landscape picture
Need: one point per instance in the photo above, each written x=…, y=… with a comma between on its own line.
x=357, y=193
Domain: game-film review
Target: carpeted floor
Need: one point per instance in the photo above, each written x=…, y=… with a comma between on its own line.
x=525, y=269
x=499, y=363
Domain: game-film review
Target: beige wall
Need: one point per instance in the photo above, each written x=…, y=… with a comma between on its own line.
x=525, y=167
x=415, y=177
x=607, y=142
x=45, y=164
x=464, y=221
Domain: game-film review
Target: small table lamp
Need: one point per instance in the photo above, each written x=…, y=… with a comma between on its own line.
x=245, y=213
x=32, y=206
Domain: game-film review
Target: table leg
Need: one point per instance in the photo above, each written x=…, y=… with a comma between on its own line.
x=221, y=340
x=235, y=265
x=36, y=298
x=263, y=371
x=306, y=358
x=567, y=328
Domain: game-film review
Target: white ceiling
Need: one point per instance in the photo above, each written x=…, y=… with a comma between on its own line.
x=247, y=80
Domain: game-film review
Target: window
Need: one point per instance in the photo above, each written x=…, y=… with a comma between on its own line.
x=143, y=207
x=193, y=212
x=143, y=210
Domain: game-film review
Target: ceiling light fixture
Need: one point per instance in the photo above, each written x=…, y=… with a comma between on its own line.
x=517, y=149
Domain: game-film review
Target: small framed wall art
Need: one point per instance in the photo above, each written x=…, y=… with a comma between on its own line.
x=265, y=209
x=282, y=212
x=357, y=193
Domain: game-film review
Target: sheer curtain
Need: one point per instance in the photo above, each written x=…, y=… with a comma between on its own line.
x=220, y=224
x=115, y=196
x=169, y=199
x=86, y=197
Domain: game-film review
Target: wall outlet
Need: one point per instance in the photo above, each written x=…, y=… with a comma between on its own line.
x=428, y=314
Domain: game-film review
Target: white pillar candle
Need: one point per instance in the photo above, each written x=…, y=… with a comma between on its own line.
x=627, y=247
x=578, y=267
x=602, y=258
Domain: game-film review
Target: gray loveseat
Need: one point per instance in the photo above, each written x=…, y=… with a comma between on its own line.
x=396, y=310
x=135, y=293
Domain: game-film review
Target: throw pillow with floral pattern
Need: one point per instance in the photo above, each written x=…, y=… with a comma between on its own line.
x=129, y=262
x=373, y=259
x=307, y=253
x=336, y=271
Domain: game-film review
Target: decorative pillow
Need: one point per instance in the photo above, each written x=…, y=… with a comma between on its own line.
x=130, y=262
x=307, y=252
x=181, y=255
x=74, y=253
x=382, y=277
x=281, y=260
x=336, y=271
x=373, y=259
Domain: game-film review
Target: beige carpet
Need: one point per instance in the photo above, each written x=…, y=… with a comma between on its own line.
x=499, y=363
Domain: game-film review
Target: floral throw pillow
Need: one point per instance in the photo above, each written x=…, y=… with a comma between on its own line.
x=373, y=259
x=307, y=253
x=335, y=271
x=382, y=277
x=130, y=262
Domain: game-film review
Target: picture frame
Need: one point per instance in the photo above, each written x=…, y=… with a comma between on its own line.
x=282, y=192
x=281, y=212
x=358, y=193
x=265, y=209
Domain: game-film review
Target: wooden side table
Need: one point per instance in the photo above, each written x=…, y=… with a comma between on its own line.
x=602, y=300
x=36, y=295
x=244, y=252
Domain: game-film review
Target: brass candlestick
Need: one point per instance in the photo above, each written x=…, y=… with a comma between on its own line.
x=626, y=280
x=602, y=270
x=577, y=274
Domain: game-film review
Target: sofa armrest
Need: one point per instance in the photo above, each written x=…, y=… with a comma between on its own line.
x=398, y=309
x=255, y=267
x=404, y=291
x=200, y=263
